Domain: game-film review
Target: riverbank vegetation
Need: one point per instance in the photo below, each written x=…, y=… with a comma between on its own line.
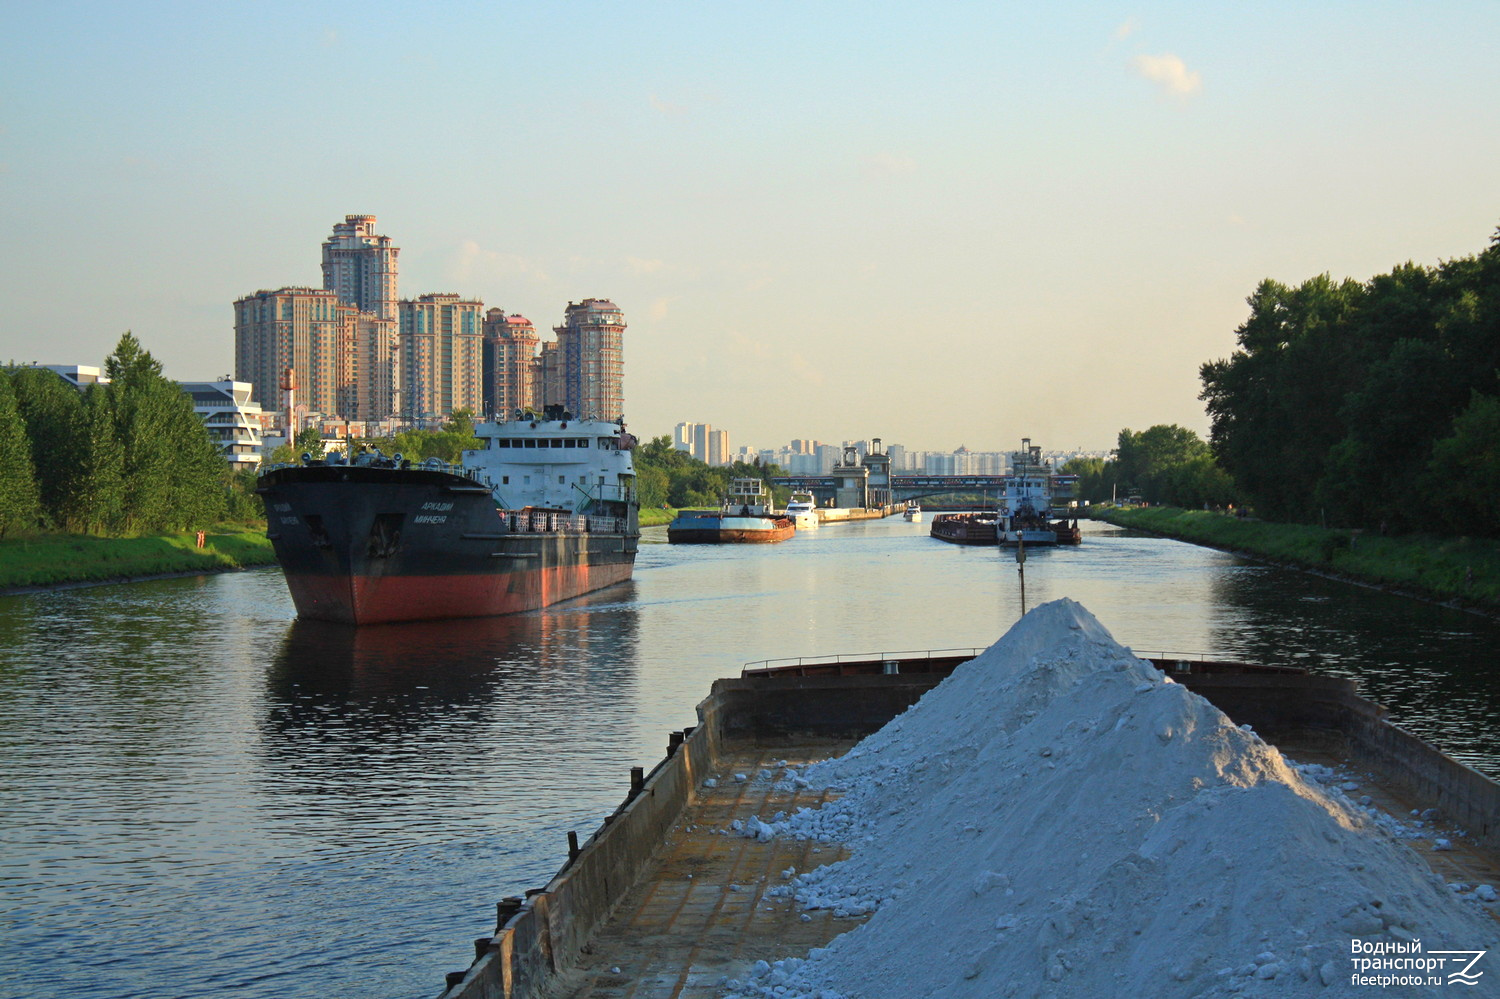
x=120, y=459
x=51, y=559
x=1165, y=464
x=1370, y=404
x=667, y=477
x=1449, y=568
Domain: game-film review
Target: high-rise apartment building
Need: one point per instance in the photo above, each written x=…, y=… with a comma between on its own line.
x=355, y=351
x=548, y=374
x=371, y=367
x=442, y=355
x=360, y=266
x=297, y=329
x=591, y=344
x=510, y=364
x=716, y=450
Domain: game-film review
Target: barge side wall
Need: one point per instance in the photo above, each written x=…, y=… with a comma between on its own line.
x=544, y=934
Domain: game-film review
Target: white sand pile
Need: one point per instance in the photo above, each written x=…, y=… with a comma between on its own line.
x=1058, y=819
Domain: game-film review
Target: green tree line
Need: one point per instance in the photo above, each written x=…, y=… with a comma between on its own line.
x=1370, y=404
x=125, y=458
x=1166, y=464
x=447, y=443
x=666, y=476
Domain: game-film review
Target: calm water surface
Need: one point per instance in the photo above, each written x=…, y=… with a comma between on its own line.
x=200, y=796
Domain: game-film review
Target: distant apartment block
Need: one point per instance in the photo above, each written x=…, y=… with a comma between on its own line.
x=549, y=374
x=360, y=266
x=717, y=447
x=370, y=369
x=354, y=351
x=291, y=329
x=442, y=355
x=703, y=442
x=591, y=342
x=510, y=364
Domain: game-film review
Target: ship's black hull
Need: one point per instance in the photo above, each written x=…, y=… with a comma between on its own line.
x=366, y=545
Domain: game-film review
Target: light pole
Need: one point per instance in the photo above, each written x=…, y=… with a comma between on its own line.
x=1021, y=568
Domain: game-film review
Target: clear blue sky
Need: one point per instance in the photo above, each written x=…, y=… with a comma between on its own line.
x=940, y=224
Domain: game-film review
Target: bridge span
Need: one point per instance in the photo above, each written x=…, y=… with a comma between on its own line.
x=917, y=485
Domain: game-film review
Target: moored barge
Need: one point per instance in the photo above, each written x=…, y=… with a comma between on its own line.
x=745, y=517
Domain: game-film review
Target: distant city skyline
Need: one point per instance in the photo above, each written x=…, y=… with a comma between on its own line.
x=355, y=351
x=961, y=224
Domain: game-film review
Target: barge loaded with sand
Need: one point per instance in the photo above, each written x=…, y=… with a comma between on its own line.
x=1052, y=816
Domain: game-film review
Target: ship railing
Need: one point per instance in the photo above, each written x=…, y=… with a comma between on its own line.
x=834, y=663
x=942, y=660
x=560, y=522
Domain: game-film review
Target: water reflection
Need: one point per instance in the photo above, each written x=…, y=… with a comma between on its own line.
x=1432, y=666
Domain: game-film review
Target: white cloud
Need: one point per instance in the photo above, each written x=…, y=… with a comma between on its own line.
x=1127, y=29
x=472, y=264
x=661, y=306
x=889, y=165
x=639, y=265
x=666, y=108
x=1171, y=72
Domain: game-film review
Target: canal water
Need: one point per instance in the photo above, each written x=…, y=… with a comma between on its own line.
x=200, y=796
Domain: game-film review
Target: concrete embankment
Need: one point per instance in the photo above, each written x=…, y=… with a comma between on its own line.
x=839, y=514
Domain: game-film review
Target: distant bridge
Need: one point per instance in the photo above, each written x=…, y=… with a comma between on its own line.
x=907, y=487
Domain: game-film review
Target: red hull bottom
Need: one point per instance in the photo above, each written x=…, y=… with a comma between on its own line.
x=727, y=536
x=384, y=599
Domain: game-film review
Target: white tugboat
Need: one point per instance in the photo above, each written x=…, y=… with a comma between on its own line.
x=1025, y=511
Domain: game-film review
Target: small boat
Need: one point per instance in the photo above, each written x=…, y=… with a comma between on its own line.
x=745, y=517
x=964, y=528
x=803, y=510
x=913, y=511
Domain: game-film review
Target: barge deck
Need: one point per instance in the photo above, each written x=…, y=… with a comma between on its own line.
x=701, y=913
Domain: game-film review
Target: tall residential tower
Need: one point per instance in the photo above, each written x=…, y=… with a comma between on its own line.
x=591, y=342
x=360, y=266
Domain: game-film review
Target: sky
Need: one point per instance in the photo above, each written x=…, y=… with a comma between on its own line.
x=942, y=224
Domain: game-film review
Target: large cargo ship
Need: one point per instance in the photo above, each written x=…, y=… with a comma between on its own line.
x=543, y=511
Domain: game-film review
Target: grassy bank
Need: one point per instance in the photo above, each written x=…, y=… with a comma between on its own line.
x=51, y=559
x=655, y=518
x=54, y=559
x=1463, y=570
